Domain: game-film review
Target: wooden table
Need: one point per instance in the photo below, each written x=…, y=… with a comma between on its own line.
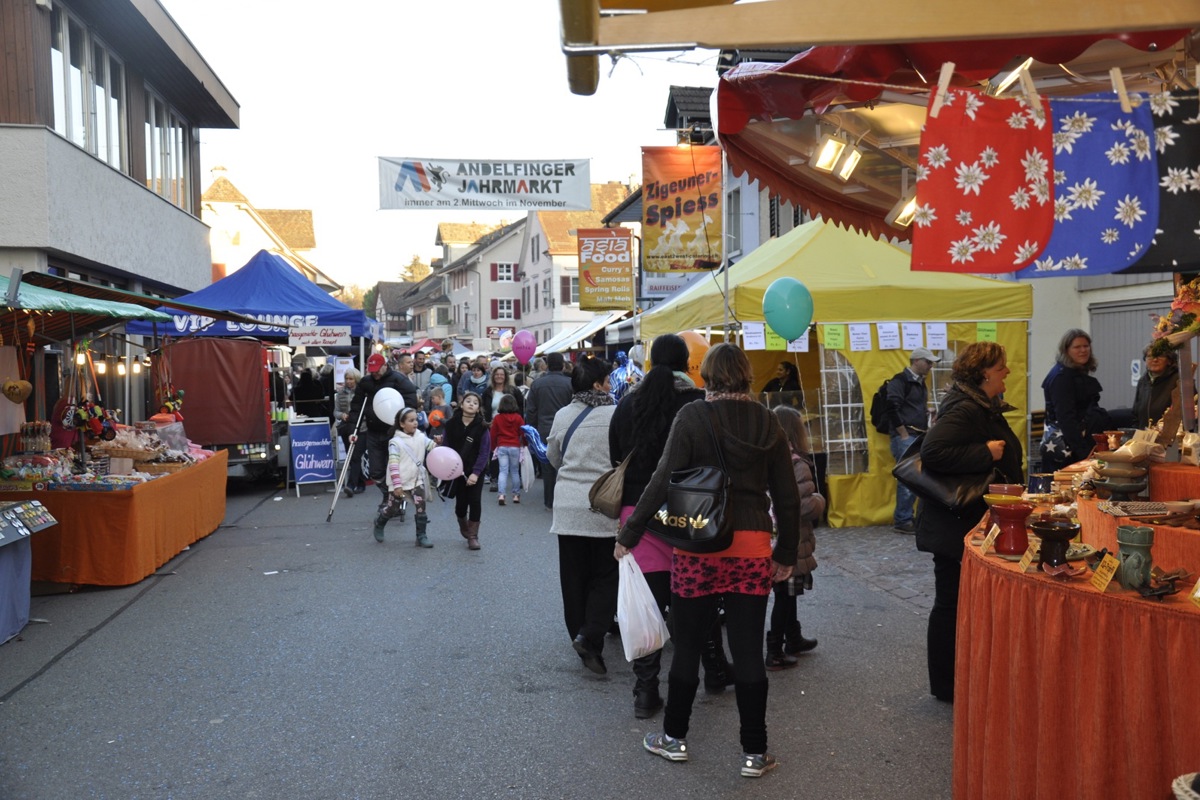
x=118, y=538
x=1065, y=692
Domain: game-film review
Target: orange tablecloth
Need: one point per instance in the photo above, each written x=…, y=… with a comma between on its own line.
x=1173, y=547
x=1174, y=481
x=1064, y=692
x=118, y=538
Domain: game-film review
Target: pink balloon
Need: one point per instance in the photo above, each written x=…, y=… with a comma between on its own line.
x=523, y=346
x=444, y=463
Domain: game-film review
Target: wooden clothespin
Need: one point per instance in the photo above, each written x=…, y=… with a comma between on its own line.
x=1118, y=84
x=1031, y=93
x=939, y=96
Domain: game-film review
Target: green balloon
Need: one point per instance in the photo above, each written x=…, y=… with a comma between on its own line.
x=788, y=307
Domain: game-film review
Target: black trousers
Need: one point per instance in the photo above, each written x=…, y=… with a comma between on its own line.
x=692, y=620
x=943, y=621
x=377, y=456
x=549, y=476
x=354, y=478
x=587, y=573
x=468, y=500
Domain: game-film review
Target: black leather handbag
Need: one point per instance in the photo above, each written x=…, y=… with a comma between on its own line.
x=696, y=516
x=956, y=492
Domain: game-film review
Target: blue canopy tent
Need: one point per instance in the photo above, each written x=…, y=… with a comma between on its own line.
x=268, y=289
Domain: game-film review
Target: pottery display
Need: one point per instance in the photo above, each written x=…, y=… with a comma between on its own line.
x=1133, y=551
x=1013, y=539
x=1056, y=536
x=1121, y=489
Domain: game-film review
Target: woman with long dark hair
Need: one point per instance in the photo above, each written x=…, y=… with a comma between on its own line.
x=468, y=435
x=756, y=454
x=640, y=426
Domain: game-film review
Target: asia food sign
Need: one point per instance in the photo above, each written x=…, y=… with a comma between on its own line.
x=605, y=269
x=533, y=185
x=682, y=229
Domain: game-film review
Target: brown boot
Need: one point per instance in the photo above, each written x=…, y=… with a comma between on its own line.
x=462, y=527
x=473, y=534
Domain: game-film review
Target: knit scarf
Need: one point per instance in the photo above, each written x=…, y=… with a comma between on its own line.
x=994, y=404
x=711, y=397
x=593, y=398
x=684, y=378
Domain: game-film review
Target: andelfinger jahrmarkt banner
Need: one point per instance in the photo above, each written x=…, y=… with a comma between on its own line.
x=534, y=185
x=682, y=228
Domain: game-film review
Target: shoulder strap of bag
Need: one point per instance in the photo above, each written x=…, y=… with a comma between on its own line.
x=712, y=431
x=574, y=425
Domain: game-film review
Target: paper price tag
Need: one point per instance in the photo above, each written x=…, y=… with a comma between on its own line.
x=1104, y=573
x=1027, y=559
x=1195, y=595
x=989, y=540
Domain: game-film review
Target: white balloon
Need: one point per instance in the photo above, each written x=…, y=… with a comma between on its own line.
x=386, y=404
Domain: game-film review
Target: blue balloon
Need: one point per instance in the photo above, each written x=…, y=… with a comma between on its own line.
x=788, y=307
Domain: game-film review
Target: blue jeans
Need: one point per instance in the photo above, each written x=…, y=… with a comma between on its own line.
x=510, y=469
x=905, y=499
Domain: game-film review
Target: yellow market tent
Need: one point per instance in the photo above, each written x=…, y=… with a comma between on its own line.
x=856, y=279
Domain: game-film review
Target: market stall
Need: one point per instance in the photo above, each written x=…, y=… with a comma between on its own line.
x=1064, y=691
x=118, y=537
x=836, y=265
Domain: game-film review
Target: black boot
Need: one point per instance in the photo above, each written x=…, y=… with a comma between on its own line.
x=776, y=658
x=646, y=699
x=717, y=672
x=380, y=521
x=793, y=642
x=421, y=520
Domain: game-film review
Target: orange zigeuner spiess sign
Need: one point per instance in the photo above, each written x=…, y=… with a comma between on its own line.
x=681, y=208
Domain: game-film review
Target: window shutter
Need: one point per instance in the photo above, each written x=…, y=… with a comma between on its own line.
x=495, y=304
x=495, y=274
x=564, y=290
x=516, y=309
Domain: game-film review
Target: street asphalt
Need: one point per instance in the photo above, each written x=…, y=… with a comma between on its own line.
x=284, y=656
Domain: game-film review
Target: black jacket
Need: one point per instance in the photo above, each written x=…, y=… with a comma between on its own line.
x=957, y=443
x=486, y=406
x=1153, y=396
x=548, y=394
x=758, y=461
x=907, y=399
x=1073, y=406
x=622, y=438
x=365, y=391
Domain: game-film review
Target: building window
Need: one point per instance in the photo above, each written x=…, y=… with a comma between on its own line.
x=88, y=87
x=168, y=152
x=504, y=309
x=443, y=315
x=504, y=272
x=773, y=221
x=733, y=233
x=535, y=248
x=568, y=289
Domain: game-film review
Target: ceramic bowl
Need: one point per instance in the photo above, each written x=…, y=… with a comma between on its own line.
x=1121, y=471
x=1117, y=456
x=1002, y=499
x=1015, y=489
x=1179, y=506
x=1121, y=487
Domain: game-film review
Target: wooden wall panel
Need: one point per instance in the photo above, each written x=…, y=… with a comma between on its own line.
x=135, y=117
x=26, y=94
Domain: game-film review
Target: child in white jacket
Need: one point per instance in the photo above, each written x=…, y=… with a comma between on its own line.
x=406, y=476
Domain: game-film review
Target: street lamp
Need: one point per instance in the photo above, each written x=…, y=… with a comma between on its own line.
x=467, y=318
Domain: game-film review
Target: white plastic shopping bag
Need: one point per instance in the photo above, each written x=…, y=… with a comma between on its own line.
x=527, y=473
x=643, y=630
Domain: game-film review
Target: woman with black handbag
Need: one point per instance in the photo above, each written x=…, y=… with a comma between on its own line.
x=640, y=426
x=970, y=437
x=753, y=450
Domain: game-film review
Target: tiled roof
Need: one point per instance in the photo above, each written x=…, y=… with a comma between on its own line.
x=487, y=241
x=294, y=226
x=688, y=103
x=428, y=292
x=392, y=293
x=463, y=233
x=223, y=191
x=557, y=225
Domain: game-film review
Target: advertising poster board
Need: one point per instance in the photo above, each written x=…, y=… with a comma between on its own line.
x=312, y=457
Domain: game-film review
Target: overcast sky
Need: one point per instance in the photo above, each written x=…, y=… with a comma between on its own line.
x=325, y=89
